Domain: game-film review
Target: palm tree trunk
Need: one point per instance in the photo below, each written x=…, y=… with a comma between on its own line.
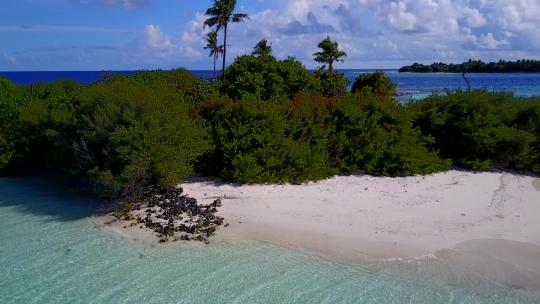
x=215, y=59
x=224, y=53
x=330, y=67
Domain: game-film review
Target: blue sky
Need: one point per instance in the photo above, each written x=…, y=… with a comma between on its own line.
x=148, y=34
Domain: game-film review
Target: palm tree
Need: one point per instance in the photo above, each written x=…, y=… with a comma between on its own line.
x=212, y=44
x=330, y=53
x=221, y=13
x=262, y=49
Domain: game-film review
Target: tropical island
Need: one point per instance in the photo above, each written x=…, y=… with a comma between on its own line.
x=132, y=139
x=476, y=66
x=265, y=182
x=263, y=120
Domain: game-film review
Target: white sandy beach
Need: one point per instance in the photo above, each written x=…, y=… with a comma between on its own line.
x=359, y=216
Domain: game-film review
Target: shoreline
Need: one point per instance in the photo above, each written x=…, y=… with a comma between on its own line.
x=358, y=217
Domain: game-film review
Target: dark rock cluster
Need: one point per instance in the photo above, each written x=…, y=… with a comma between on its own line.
x=173, y=215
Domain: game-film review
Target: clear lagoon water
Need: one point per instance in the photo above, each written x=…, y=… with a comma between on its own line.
x=410, y=85
x=52, y=250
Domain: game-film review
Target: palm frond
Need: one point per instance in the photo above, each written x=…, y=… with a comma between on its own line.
x=240, y=18
x=210, y=22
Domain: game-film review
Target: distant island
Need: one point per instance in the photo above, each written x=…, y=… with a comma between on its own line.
x=476, y=66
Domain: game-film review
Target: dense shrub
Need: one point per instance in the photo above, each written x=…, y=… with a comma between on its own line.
x=482, y=130
x=377, y=83
x=331, y=84
x=267, y=78
x=8, y=115
x=375, y=135
x=157, y=127
x=35, y=129
x=259, y=141
x=314, y=137
x=192, y=88
x=122, y=133
x=131, y=134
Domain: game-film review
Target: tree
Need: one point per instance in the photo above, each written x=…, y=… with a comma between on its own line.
x=212, y=44
x=268, y=78
x=330, y=53
x=262, y=49
x=220, y=14
x=377, y=82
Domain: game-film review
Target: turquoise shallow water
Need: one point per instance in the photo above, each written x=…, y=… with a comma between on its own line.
x=53, y=251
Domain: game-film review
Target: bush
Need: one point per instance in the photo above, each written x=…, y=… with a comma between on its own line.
x=122, y=133
x=332, y=84
x=267, y=78
x=375, y=135
x=259, y=141
x=193, y=89
x=312, y=138
x=482, y=130
x=377, y=83
x=157, y=127
x=131, y=135
x=189, y=86
x=8, y=115
x=33, y=131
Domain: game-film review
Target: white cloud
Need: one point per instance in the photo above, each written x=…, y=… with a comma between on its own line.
x=374, y=33
x=474, y=17
x=399, y=18
x=372, y=30
x=156, y=39
x=488, y=41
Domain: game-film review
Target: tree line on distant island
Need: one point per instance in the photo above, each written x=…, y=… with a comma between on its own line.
x=266, y=121
x=476, y=66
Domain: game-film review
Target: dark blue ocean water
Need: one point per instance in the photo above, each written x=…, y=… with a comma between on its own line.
x=410, y=85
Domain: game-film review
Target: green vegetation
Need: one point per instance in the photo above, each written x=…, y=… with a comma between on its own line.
x=270, y=121
x=482, y=130
x=267, y=78
x=258, y=141
x=130, y=133
x=263, y=48
x=8, y=115
x=263, y=76
x=477, y=66
x=329, y=54
x=212, y=44
x=377, y=83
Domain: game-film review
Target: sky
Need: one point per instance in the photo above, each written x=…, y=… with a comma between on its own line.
x=37, y=35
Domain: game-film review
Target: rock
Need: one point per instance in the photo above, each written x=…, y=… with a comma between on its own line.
x=180, y=212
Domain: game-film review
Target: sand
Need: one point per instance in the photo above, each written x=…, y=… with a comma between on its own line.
x=466, y=227
x=536, y=184
x=359, y=216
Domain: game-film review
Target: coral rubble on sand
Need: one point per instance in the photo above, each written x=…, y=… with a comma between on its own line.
x=171, y=214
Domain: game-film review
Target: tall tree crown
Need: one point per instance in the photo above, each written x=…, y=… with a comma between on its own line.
x=262, y=48
x=329, y=53
x=222, y=12
x=212, y=44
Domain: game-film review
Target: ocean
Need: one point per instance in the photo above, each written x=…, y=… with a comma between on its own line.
x=410, y=85
x=53, y=250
